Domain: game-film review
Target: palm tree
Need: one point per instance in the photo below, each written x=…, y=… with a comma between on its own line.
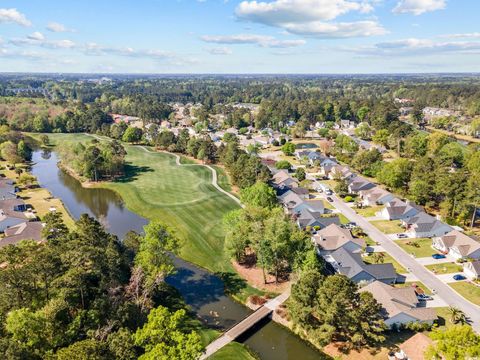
x=457, y=316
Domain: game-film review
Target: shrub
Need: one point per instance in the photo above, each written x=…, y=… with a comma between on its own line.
x=283, y=164
x=348, y=198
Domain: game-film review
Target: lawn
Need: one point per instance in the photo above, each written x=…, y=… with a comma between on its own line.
x=233, y=351
x=422, y=249
x=468, y=290
x=388, y=226
x=445, y=268
x=443, y=314
x=368, y=211
x=418, y=283
x=387, y=259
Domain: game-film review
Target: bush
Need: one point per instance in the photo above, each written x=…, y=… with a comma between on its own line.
x=348, y=198
x=275, y=143
x=283, y=164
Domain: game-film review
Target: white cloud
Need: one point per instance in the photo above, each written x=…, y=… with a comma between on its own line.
x=57, y=27
x=219, y=51
x=474, y=35
x=260, y=40
x=312, y=17
x=337, y=30
x=418, y=7
x=36, y=36
x=13, y=16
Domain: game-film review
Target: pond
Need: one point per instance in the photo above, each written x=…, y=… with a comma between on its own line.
x=306, y=146
x=202, y=290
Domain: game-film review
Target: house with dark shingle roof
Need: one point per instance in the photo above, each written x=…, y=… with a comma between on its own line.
x=358, y=183
x=399, y=305
x=313, y=219
x=333, y=237
x=351, y=265
x=375, y=196
x=397, y=209
x=23, y=231
x=423, y=225
x=458, y=245
x=7, y=189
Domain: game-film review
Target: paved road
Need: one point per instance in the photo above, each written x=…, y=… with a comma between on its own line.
x=445, y=292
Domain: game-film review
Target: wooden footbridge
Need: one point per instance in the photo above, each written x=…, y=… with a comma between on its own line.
x=244, y=325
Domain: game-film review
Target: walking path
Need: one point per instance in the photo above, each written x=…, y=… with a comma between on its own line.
x=439, y=287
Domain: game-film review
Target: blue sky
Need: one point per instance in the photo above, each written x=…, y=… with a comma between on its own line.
x=230, y=36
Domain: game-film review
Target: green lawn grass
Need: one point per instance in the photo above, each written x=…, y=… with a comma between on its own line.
x=233, y=351
x=369, y=241
x=388, y=259
x=222, y=179
x=388, y=226
x=445, y=268
x=424, y=248
x=368, y=211
x=443, y=314
x=467, y=290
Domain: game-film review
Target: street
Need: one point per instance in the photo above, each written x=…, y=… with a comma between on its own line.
x=447, y=294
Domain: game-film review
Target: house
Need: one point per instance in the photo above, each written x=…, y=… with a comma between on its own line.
x=300, y=191
x=375, y=196
x=358, y=183
x=397, y=209
x=333, y=237
x=458, y=245
x=347, y=124
x=423, y=225
x=11, y=213
x=13, y=205
x=341, y=172
x=399, y=305
x=351, y=265
x=294, y=204
x=7, y=189
x=23, y=231
x=282, y=179
x=472, y=269
x=414, y=348
x=314, y=219
x=301, y=154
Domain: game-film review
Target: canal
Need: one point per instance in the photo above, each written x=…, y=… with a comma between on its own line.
x=202, y=291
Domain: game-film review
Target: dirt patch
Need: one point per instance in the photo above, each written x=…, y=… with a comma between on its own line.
x=254, y=276
x=336, y=350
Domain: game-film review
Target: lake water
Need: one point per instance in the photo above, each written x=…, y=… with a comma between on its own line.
x=202, y=290
x=305, y=146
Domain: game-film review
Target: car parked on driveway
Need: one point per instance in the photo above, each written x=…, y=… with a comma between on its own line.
x=438, y=256
x=402, y=236
x=458, y=277
x=329, y=199
x=424, y=297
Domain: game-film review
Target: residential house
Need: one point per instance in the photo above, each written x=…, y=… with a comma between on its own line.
x=300, y=191
x=375, y=196
x=358, y=183
x=351, y=265
x=301, y=154
x=399, y=305
x=339, y=171
x=23, y=231
x=333, y=237
x=423, y=225
x=472, y=269
x=313, y=219
x=7, y=189
x=282, y=180
x=347, y=124
x=397, y=209
x=458, y=245
x=294, y=204
x=11, y=213
x=414, y=348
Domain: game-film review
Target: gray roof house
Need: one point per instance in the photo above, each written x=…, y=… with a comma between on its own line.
x=282, y=179
x=310, y=218
x=342, y=172
x=333, y=237
x=423, y=225
x=351, y=265
x=399, y=305
x=472, y=269
x=358, y=183
x=294, y=204
x=23, y=231
x=397, y=209
x=9, y=216
x=300, y=191
x=7, y=189
x=375, y=196
x=458, y=245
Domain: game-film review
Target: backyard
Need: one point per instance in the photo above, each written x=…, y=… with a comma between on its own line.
x=421, y=247
x=388, y=226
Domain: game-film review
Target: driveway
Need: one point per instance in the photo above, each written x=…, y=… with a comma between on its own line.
x=442, y=290
x=431, y=261
x=448, y=278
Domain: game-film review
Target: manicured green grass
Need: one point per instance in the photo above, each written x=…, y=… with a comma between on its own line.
x=418, y=283
x=222, y=179
x=443, y=321
x=233, y=351
x=387, y=259
x=369, y=241
x=388, y=226
x=468, y=290
x=445, y=268
x=368, y=211
x=423, y=247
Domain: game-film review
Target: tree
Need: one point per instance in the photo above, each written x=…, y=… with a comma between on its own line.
x=26, y=180
x=288, y=149
x=54, y=229
x=24, y=151
x=300, y=173
x=260, y=194
x=341, y=188
x=368, y=162
x=87, y=349
x=381, y=137
x=9, y=153
x=363, y=131
x=283, y=164
x=457, y=316
x=132, y=135
x=166, y=336
x=396, y=174
x=45, y=140
x=455, y=342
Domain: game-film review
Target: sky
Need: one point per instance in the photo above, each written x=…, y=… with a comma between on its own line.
x=231, y=36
